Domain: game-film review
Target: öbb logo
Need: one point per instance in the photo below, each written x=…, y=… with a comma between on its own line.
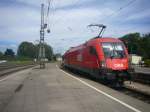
x=118, y=65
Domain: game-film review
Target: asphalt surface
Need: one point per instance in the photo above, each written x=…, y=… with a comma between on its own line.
x=53, y=90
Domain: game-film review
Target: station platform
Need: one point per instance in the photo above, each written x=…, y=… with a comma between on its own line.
x=145, y=89
x=54, y=90
x=143, y=70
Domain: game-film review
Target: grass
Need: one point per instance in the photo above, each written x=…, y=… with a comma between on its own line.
x=21, y=62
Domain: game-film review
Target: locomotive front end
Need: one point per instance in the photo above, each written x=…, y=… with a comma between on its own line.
x=115, y=64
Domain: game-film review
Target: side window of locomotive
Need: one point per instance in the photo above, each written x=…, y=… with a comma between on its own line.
x=92, y=50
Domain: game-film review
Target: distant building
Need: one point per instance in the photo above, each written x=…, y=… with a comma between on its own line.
x=46, y=60
x=135, y=59
x=3, y=61
x=59, y=58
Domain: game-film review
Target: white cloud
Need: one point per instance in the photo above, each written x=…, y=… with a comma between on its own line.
x=68, y=23
x=77, y=20
x=11, y=46
x=139, y=15
x=32, y=2
x=19, y=22
x=55, y=3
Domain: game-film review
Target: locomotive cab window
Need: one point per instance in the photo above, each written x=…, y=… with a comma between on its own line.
x=113, y=50
x=92, y=50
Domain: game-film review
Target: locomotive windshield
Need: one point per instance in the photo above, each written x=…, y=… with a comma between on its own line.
x=113, y=50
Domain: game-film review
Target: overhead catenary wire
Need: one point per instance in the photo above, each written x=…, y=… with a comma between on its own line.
x=121, y=8
x=106, y=18
x=49, y=3
x=58, y=18
x=128, y=4
x=117, y=11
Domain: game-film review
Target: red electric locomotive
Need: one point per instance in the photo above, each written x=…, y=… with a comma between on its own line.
x=103, y=58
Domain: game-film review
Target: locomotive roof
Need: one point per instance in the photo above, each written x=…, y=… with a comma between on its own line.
x=96, y=39
x=105, y=39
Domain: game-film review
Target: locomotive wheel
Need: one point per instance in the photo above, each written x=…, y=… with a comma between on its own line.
x=119, y=83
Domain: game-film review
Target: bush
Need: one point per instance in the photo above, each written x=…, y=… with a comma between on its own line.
x=24, y=58
x=147, y=62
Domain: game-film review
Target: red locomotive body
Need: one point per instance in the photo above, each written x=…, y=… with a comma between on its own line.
x=103, y=58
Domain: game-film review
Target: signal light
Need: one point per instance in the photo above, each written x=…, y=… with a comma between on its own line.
x=45, y=26
x=48, y=31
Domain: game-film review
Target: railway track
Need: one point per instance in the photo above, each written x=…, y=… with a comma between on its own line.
x=142, y=78
x=136, y=94
x=7, y=68
x=142, y=75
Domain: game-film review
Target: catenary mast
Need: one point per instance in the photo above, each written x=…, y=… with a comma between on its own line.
x=41, y=45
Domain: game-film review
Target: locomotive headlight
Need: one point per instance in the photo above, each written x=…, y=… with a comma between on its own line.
x=103, y=64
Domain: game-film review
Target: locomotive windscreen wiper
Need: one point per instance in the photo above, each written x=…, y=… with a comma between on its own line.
x=113, y=50
x=117, y=54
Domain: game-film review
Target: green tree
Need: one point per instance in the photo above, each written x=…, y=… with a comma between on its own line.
x=145, y=45
x=27, y=49
x=1, y=55
x=137, y=44
x=48, y=51
x=132, y=42
x=9, y=53
x=57, y=55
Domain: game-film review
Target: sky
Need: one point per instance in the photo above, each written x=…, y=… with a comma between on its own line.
x=68, y=20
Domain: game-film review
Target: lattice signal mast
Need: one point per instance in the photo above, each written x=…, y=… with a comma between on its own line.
x=41, y=45
x=42, y=34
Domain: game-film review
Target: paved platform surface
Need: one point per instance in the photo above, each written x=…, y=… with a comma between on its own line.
x=52, y=90
x=144, y=70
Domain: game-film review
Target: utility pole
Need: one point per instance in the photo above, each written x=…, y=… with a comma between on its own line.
x=41, y=46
